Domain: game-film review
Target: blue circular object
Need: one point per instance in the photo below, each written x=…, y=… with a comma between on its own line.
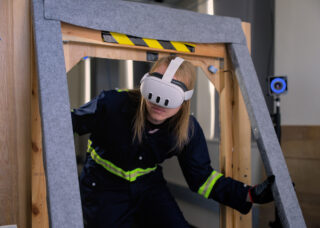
x=278, y=80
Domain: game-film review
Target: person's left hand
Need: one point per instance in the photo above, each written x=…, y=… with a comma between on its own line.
x=262, y=193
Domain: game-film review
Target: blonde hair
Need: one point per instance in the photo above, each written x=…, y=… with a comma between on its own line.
x=180, y=121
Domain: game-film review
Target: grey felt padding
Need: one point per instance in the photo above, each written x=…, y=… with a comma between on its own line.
x=286, y=200
x=63, y=195
x=145, y=20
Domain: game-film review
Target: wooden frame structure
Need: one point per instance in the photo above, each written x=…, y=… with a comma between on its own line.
x=235, y=124
x=235, y=72
x=80, y=42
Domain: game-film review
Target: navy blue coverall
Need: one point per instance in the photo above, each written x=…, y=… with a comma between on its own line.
x=122, y=184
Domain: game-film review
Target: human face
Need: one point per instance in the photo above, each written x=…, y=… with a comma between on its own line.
x=157, y=114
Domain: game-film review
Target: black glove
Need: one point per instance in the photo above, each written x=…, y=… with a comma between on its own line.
x=262, y=193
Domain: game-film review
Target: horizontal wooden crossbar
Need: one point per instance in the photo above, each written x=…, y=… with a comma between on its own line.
x=72, y=33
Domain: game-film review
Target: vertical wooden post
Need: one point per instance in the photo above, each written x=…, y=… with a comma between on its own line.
x=226, y=134
x=8, y=148
x=39, y=201
x=242, y=141
x=235, y=145
x=15, y=87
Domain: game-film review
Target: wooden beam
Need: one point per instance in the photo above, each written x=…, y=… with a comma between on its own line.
x=72, y=33
x=39, y=210
x=235, y=149
x=242, y=140
x=74, y=52
x=15, y=99
x=8, y=158
x=226, y=138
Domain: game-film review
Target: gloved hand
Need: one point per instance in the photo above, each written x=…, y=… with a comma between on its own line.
x=262, y=193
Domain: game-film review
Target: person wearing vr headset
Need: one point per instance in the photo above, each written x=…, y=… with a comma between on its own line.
x=132, y=133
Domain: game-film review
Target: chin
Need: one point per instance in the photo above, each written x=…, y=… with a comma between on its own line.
x=158, y=118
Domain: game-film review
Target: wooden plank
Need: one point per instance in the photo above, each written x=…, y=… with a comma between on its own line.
x=242, y=139
x=74, y=52
x=39, y=216
x=226, y=140
x=246, y=27
x=235, y=145
x=72, y=33
x=235, y=152
x=22, y=88
x=15, y=86
x=8, y=141
x=242, y=150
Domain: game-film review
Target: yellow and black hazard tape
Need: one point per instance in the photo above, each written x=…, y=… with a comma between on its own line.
x=113, y=37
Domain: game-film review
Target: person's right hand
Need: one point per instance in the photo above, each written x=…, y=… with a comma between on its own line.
x=262, y=193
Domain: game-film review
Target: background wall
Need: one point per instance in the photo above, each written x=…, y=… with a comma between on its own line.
x=297, y=55
x=260, y=14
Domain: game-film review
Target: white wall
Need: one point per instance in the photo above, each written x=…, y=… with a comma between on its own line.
x=297, y=54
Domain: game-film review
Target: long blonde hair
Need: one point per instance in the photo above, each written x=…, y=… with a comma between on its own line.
x=180, y=121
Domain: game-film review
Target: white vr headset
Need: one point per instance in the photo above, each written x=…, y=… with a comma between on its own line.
x=163, y=90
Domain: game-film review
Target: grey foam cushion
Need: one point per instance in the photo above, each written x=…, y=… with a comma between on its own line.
x=64, y=206
x=147, y=21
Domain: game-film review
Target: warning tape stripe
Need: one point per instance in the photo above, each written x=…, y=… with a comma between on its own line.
x=180, y=46
x=138, y=41
x=166, y=45
x=107, y=37
x=113, y=37
x=121, y=38
x=152, y=43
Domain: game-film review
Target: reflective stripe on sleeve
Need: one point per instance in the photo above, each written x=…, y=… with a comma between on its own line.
x=122, y=90
x=131, y=175
x=206, y=188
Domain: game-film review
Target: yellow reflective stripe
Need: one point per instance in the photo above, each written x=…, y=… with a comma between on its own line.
x=121, y=38
x=206, y=188
x=122, y=90
x=127, y=175
x=152, y=43
x=180, y=46
x=89, y=146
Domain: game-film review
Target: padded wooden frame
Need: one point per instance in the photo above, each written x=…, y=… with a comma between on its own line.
x=59, y=46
